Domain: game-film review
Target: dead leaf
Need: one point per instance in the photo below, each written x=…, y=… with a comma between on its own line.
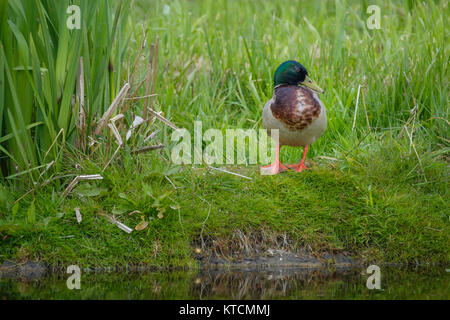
x=78, y=215
x=141, y=225
x=160, y=212
x=133, y=212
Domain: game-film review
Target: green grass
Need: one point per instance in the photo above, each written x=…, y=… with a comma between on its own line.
x=40, y=85
x=379, y=193
x=358, y=205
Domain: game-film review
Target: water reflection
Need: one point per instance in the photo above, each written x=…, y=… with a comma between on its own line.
x=237, y=284
x=271, y=284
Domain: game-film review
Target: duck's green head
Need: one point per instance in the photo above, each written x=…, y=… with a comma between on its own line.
x=294, y=73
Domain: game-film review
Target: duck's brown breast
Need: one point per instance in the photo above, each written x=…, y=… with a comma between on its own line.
x=295, y=106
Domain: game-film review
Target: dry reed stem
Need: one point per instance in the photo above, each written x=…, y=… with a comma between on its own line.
x=117, y=223
x=229, y=172
x=81, y=178
x=147, y=80
x=81, y=109
x=112, y=108
x=160, y=117
x=412, y=112
x=152, y=69
x=146, y=149
x=155, y=69
x=356, y=108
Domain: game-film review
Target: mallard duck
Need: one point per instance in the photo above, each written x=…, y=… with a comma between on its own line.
x=296, y=111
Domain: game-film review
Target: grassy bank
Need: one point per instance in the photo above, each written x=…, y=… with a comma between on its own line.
x=368, y=204
x=378, y=188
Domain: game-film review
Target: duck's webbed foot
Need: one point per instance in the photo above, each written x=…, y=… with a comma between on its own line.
x=299, y=167
x=274, y=168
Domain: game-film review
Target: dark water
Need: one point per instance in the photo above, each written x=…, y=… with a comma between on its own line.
x=419, y=283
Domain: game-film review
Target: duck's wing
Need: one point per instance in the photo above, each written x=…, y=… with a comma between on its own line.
x=295, y=106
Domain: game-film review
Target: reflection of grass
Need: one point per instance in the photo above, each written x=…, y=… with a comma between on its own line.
x=396, y=284
x=377, y=194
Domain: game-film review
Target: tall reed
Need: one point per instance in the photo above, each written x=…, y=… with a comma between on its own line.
x=40, y=63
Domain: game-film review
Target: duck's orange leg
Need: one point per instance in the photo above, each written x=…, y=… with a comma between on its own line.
x=276, y=167
x=300, y=166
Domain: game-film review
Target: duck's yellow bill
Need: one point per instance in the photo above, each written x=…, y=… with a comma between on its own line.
x=310, y=83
